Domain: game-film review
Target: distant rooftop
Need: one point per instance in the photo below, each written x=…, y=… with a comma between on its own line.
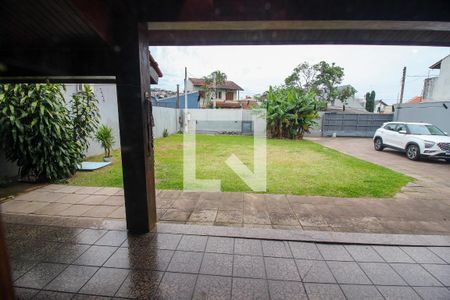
x=228, y=85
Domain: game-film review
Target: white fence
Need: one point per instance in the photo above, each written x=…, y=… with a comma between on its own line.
x=165, y=118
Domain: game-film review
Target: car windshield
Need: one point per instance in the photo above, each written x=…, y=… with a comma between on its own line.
x=424, y=129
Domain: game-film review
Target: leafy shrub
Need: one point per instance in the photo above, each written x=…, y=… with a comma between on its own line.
x=85, y=117
x=36, y=131
x=105, y=137
x=290, y=112
x=165, y=133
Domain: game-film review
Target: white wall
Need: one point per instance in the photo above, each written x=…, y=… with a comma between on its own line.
x=165, y=118
x=439, y=88
x=107, y=105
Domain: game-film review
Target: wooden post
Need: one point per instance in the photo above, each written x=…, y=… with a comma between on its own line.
x=133, y=94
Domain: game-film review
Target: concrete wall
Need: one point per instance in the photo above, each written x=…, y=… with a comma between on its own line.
x=107, y=98
x=438, y=88
x=428, y=112
x=165, y=118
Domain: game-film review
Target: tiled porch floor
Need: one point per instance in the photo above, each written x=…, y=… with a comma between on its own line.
x=416, y=210
x=74, y=263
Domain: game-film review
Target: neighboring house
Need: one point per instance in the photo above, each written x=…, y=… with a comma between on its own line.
x=414, y=100
x=352, y=105
x=382, y=107
x=193, y=100
x=438, y=88
x=229, y=90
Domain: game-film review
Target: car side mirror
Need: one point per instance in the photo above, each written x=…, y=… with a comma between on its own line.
x=402, y=131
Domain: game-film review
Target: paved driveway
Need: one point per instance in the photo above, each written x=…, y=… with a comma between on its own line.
x=427, y=171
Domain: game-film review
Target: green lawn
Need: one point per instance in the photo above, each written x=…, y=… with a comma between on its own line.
x=294, y=167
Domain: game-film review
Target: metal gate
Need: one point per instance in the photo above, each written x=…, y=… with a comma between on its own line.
x=353, y=125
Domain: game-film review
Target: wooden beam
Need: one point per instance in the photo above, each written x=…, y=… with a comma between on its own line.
x=58, y=79
x=136, y=137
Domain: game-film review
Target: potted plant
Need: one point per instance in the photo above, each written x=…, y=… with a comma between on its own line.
x=105, y=137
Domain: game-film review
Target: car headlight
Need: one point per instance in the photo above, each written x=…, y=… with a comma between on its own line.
x=429, y=144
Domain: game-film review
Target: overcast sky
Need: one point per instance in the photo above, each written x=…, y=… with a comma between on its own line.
x=255, y=68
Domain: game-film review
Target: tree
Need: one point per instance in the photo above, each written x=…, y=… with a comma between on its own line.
x=323, y=79
x=290, y=112
x=211, y=82
x=370, y=101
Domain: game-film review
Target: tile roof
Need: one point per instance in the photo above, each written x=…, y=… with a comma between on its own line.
x=228, y=85
x=414, y=100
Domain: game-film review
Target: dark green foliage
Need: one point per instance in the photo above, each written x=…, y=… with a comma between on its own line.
x=105, y=137
x=36, y=131
x=323, y=79
x=290, y=112
x=165, y=133
x=85, y=117
x=370, y=101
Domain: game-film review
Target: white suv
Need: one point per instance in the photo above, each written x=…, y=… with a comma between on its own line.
x=416, y=139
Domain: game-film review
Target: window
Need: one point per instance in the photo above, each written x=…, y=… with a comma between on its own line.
x=400, y=127
x=424, y=129
x=390, y=127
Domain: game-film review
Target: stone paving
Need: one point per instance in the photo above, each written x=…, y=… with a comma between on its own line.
x=412, y=211
x=78, y=263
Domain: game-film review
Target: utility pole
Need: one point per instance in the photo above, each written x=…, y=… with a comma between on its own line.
x=186, y=129
x=403, y=85
x=178, y=97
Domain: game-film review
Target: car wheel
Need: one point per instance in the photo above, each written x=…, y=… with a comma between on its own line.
x=413, y=152
x=378, y=144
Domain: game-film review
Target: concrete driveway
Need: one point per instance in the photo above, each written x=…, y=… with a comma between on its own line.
x=429, y=172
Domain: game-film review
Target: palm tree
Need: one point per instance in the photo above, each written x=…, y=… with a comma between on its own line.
x=211, y=82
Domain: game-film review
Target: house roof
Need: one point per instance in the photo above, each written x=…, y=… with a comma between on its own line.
x=227, y=104
x=414, y=100
x=381, y=102
x=227, y=85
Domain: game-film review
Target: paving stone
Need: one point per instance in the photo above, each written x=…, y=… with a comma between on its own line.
x=323, y=291
x=442, y=252
x=230, y=216
x=67, y=253
x=119, y=213
x=281, y=290
x=22, y=207
x=52, y=209
x=348, y=272
x=393, y=254
x=217, y=264
x=276, y=249
x=441, y=272
x=72, y=279
x=176, y=286
x=357, y=292
x=212, y=287
x=398, y=292
x=278, y=218
x=305, y=250
x=93, y=200
x=112, y=238
x=89, y=297
x=247, y=247
x=95, y=256
x=139, y=240
x=192, y=243
x=105, y=282
x=107, y=191
x=40, y=196
x=166, y=241
x=87, y=190
x=422, y=255
x=281, y=268
x=363, y=253
x=40, y=275
x=20, y=267
x=186, y=262
x=49, y=295
x=433, y=293
x=249, y=266
x=140, y=258
x=334, y=252
x=99, y=211
x=249, y=288
x=114, y=201
x=75, y=210
x=70, y=198
x=314, y=271
x=382, y=274
x=140, y=284
x=205, y=215
x=415, y=275
x=24, y=293
x=220, y=245
x=258, y=217
x=89, y=236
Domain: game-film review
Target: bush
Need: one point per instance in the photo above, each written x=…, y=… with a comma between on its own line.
x=165, y=133
x=36, y=131
x=290, y=112
x=105, y=137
